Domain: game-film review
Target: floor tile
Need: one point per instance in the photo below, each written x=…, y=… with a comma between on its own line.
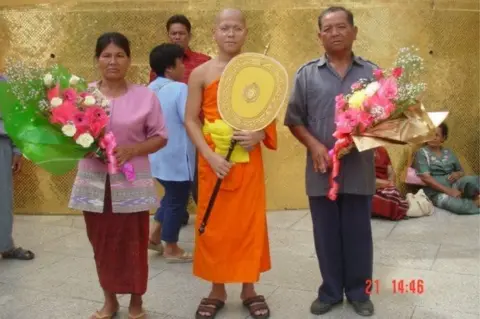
x=442, y=250
x=294, y=242
x=290, y=303
x=439, y=228
x=11, y=270
x=305, y=223
x=453, y=292
x=285, y=219
x=74, y=244
x=32, y=235
x=296, y=272
x=425, y=313
x=458, y=259
x=58, y=307
x=14, y=299
x=404, y=254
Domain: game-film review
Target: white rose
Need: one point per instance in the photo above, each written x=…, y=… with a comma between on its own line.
x=89, y=100
x=56, y=101
x=372, y=88
x=85, y=140
x=74, y=80
x=48, y=80
x=69, y=130
x=105, y=103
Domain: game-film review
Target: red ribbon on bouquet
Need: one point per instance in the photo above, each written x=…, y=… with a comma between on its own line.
x=109, y=143
x=342, y=144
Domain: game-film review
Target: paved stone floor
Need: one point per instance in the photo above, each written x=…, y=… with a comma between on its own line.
x=442, y=250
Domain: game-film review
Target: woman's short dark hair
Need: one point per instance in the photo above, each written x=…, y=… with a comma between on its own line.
x=164, y=56
x=444, y=128
x=181, y=19
x=108, y=38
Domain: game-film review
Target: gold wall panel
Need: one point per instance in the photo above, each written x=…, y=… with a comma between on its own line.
x=446, y=31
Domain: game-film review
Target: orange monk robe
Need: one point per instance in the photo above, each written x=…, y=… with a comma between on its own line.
x=234, y=247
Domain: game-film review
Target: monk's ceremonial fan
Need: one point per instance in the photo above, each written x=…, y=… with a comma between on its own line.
x=251, y=91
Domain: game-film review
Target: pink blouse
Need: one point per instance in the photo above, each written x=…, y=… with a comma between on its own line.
x=134, y=117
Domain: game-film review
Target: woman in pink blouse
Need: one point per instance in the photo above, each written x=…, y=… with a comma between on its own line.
x=116, y=211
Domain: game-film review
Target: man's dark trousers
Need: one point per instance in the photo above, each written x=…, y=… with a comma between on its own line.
x=343, y=242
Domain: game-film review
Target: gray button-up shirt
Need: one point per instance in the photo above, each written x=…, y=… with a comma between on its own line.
x=312, y=104
x=3, y=133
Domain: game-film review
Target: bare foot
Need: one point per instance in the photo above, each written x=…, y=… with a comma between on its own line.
x=174, y=251
x=135, y=309
x=107, y=311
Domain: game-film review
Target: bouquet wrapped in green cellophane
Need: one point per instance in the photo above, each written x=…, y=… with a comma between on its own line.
x=52, y=116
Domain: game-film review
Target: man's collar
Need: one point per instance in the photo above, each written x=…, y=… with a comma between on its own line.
x=160, y=80
x=188, y=53
x=324, y=59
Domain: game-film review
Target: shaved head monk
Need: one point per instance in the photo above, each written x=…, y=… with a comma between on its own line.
x=234, y=247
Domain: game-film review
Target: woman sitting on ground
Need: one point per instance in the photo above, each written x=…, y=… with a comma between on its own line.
x=387, y=201
x=447, y=185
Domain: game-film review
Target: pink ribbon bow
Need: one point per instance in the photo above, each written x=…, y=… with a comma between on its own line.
x=109, y=143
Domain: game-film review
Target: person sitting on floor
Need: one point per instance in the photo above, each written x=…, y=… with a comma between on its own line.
x=447, y=185
x=387, y=201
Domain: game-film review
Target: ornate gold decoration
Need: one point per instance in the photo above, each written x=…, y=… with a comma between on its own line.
x=68, y=29
x=251, y=92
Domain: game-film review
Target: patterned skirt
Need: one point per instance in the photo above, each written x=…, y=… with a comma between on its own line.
x=120, y=246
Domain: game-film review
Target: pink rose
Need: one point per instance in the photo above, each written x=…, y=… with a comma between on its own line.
x=389, y=109
x=70, y=95
x=340, y=102
x=63, y=113
x=397, y=72
x=80, y=120
x=347, y=121
x=365, y=120
x=53, y=92
x=388, y=88
x=97, y=119
x=378, y=74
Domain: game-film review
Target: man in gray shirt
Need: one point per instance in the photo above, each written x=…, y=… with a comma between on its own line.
x=342, y=228
x=10, y=161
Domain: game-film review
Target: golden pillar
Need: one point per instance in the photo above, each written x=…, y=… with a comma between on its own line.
x=446, y=32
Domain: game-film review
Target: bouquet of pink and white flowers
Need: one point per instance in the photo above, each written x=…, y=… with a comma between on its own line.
x=382, y=110
x=56, y=119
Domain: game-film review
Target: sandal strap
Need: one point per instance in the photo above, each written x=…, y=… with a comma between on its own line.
x=257, y=299
x=210, y=306
x=256, y=304
x=209, y=302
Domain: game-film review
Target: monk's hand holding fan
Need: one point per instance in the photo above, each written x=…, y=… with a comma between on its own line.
x=248, y=140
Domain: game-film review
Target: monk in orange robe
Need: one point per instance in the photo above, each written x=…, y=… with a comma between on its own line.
x=234, y=247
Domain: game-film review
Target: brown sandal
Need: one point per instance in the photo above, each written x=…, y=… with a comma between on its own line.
x=255, y=304
x=210, y=306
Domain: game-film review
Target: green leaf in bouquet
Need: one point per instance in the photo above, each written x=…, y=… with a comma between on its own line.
x=57, y=159
x=63, y=76
x=39, y=140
